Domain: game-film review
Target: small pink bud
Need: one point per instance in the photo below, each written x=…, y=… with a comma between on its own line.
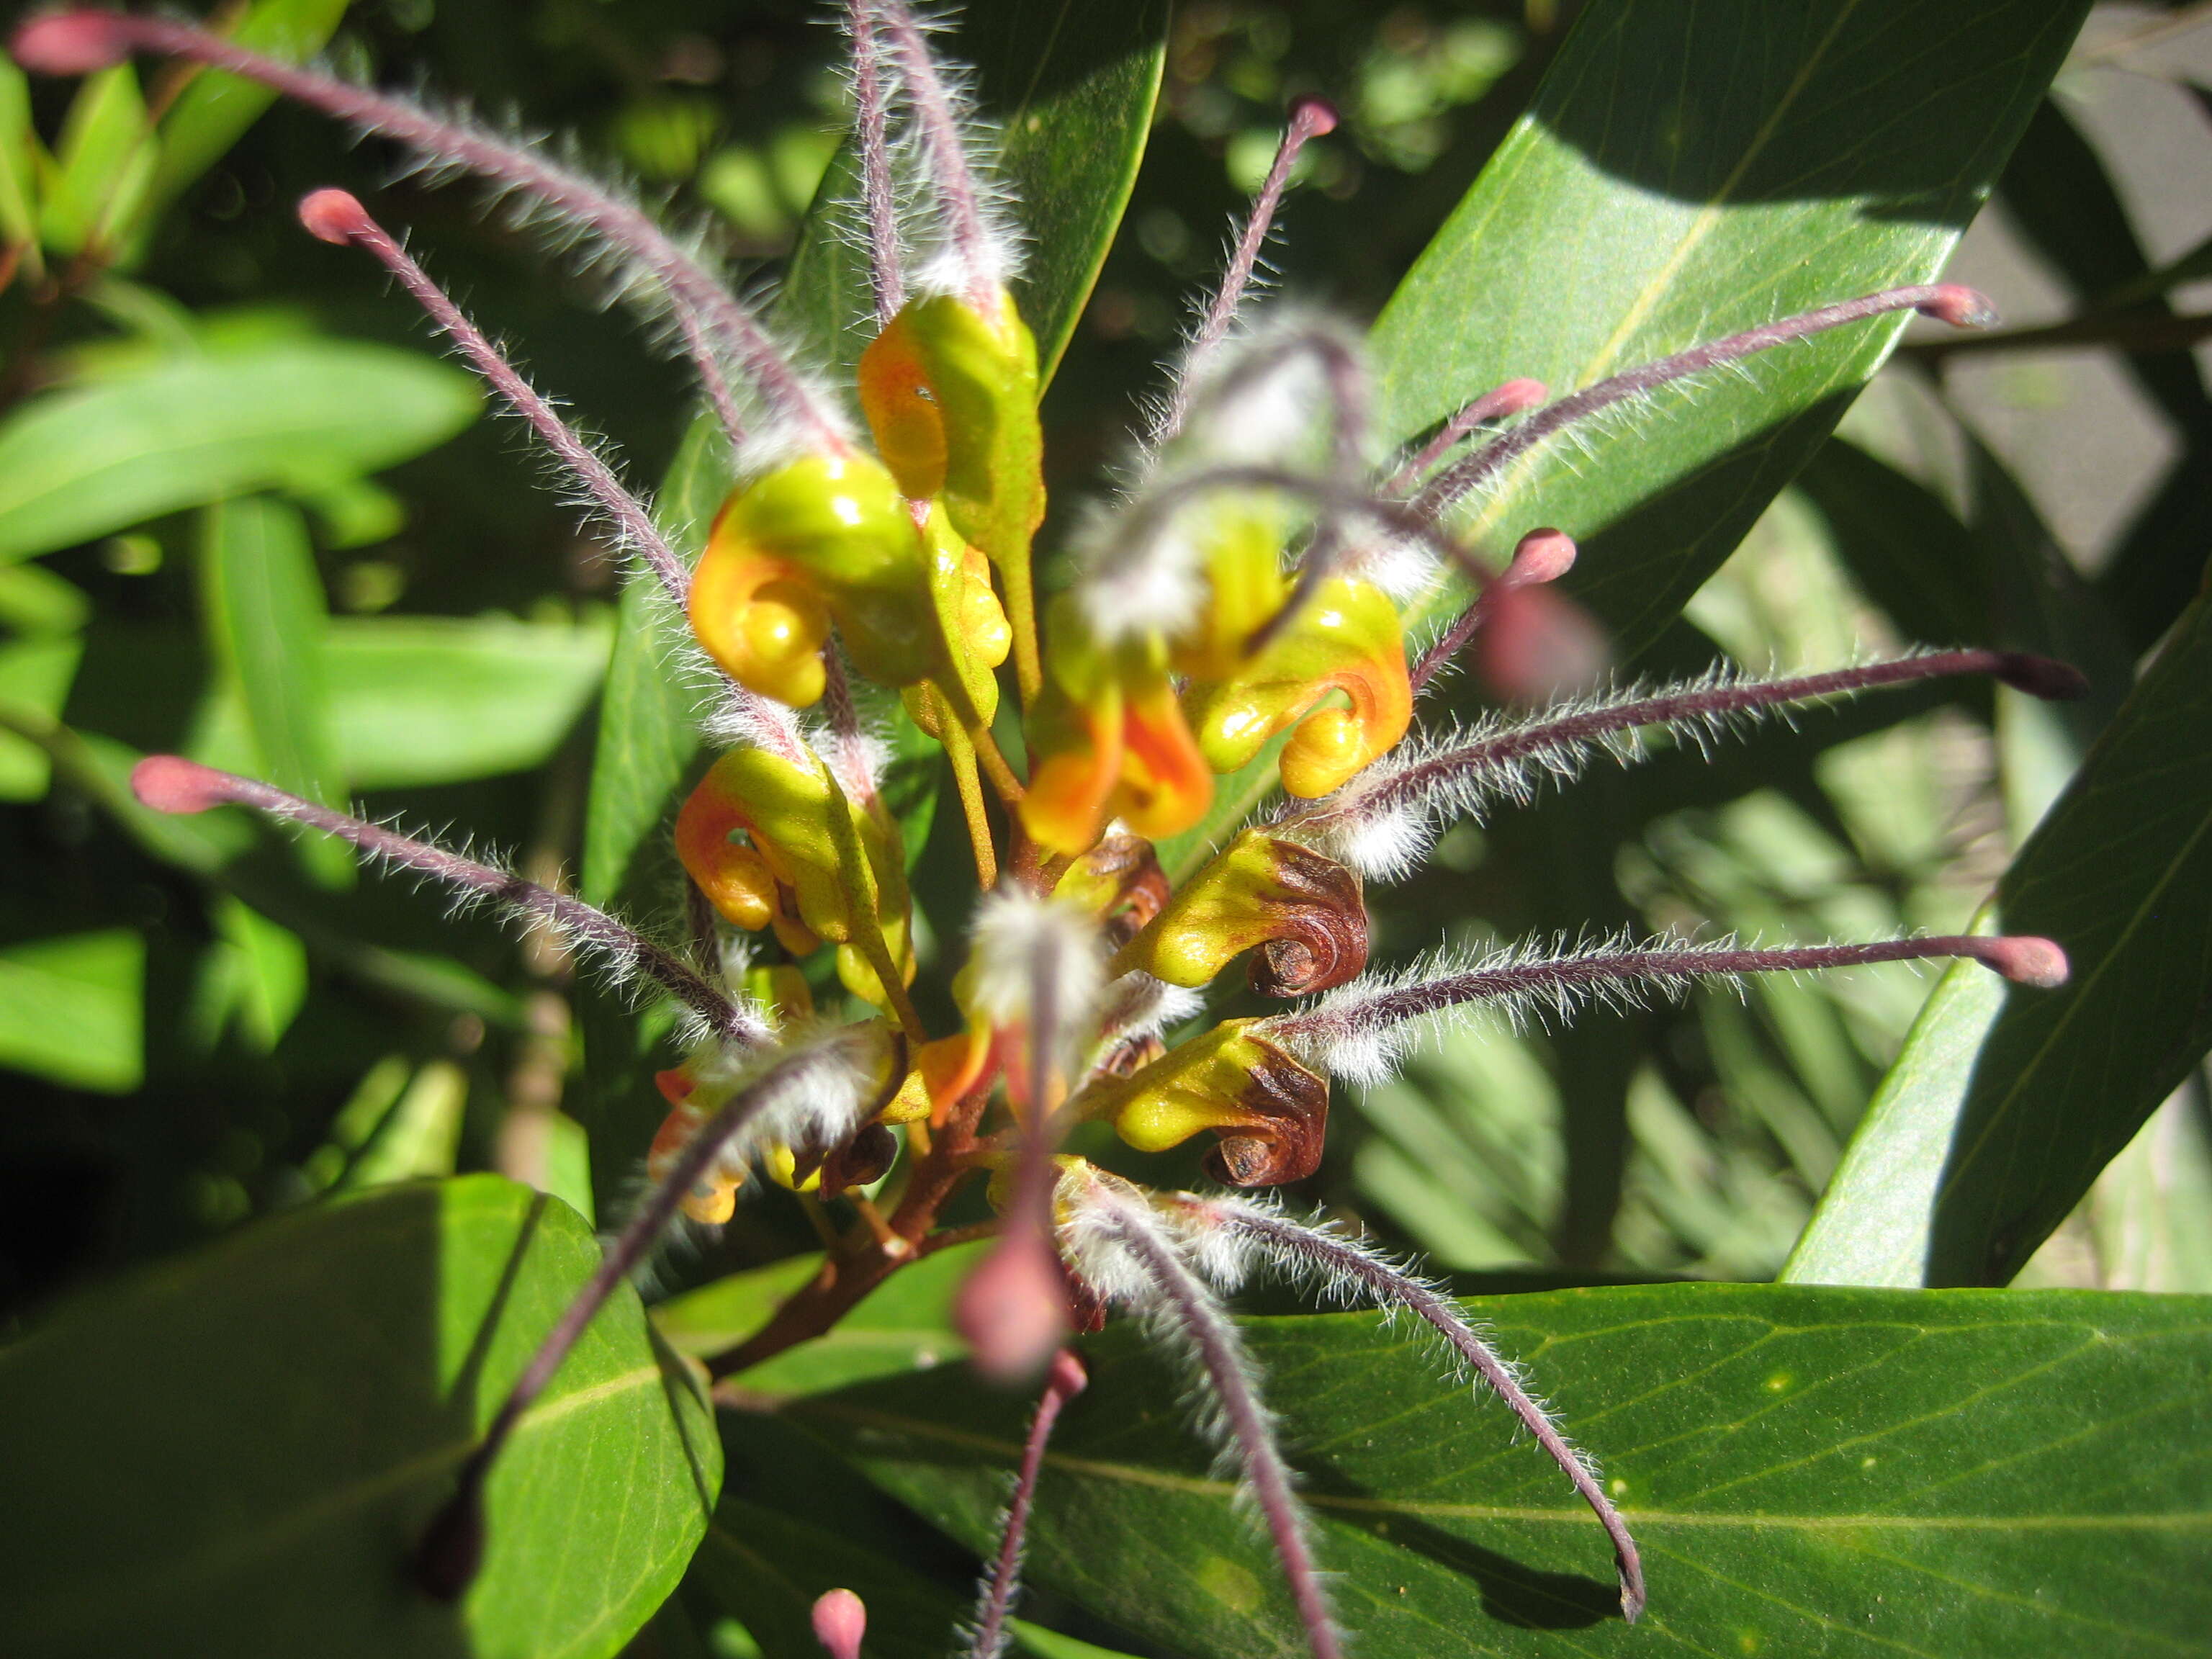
x=1515, y=398
x=2042, y=676
x=72, y=42
x=1537, y=646
x=1313, y=116
x=1960, y=306
x=170, y=783
x=2027, y=960
x=1066, y=1376
x=335, y=215
x=1542, y=556
x=840, y=1619
x=1012, y=1311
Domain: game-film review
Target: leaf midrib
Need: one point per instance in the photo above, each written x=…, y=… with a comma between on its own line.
x=1007, y=1451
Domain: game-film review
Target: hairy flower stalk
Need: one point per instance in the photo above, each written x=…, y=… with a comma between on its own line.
x=1310, y=118
x=1250, y=595
x=1514, y=398
x=170, y=783
x=707, y=315
x=1947, y=302
x=817, y=1089
x=1126, y=1254
x=1361, y=1031
x=335, y=216
x=1064, y=1379
x=1384, y=821
x=1321, y=1255
x=879, y=191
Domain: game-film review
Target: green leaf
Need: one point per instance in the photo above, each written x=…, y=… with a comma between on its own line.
x=1686, y=172
x=430, y=699
x=1806, y=1471
x=271, y=977
x=320, y=1377
x=263, y=615
x=70, y=1009
x=1817, y=152
x=93, y=459
x=34, y=678
x=21, y=158
x=427, y=700
x=101, y=167
x=905, y=1324
x=214, y=110
x=418, y=1135
x=2006, y=1103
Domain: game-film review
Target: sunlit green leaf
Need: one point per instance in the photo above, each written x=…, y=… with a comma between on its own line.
x=1806, y=1471
x=93, y=460
x=2007, y=1102
x=320, y=1377
x=101, y=167
x=34, y=678
x=1686, y=172
x=264, y=615
x=70, y=1009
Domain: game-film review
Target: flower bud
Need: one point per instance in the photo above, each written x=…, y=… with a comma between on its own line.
x=840, y=1620
x=950, y=395
x=1536, y=646
x=1108, y=740
x=1012, y=1309
x=1302, y=911
x=789, y=872
x=820, y=539
x=1346, y=639
x=1271, y=1112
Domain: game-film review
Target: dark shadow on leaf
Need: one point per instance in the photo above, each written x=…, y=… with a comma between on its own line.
x=1792, y=101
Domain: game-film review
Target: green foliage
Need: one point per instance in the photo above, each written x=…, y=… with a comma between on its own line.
x=319, y=1377
x=1807, y=1471
x=231, y=1446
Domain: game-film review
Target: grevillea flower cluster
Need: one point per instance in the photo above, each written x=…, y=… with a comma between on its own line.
x=1246, y=598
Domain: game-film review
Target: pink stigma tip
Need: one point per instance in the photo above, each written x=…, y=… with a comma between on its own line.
x=72, y=42
x=1067, y=1375
x=1543, y=556
x=1012, y=1311
x=1518, y=397
x=1313, y=117
x=1960, y=306
x=840, y=1619
x=2027, y=960
x=170, y=783
x=334, y=216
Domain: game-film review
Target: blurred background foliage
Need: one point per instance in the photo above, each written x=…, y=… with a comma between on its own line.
x=246, y=511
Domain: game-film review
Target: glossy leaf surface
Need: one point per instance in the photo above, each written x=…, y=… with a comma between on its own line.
x=99, y=458
x=1684, y=173
x=1807, y=1471
x=321, y=1376
x=2003, y=1106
